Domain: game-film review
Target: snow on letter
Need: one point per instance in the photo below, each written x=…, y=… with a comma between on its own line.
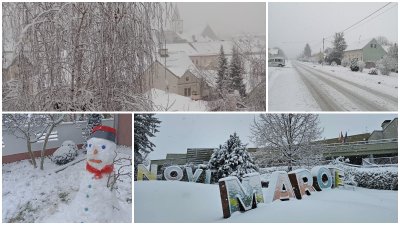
x=302, y=182
x=173, y=169
x=337, y=176
x=144, y=172
x=322, y=178
x=196, y=176
x=236, y=196
x=279, y=187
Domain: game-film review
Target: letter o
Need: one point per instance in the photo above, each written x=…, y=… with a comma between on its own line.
x=323, y=175
x=171, y=169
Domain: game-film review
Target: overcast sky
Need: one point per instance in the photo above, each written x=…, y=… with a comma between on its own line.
x=225, y=18
x=181, y=131
x=292, y=25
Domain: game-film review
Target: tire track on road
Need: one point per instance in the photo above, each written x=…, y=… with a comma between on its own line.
x=321, y=97
x=362, y=102
x=370, y=90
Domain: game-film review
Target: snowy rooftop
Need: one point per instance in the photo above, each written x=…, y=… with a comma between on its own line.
x=358, y=44
x=212, y=48
x=177, y=61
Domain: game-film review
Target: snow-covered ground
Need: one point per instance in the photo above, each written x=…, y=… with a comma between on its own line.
x=31, y=195
x=303, y=86
x=173, y=102
x=176, y=201
x=287, y=92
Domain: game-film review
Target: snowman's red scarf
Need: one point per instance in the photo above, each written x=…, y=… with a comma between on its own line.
x=99, y=173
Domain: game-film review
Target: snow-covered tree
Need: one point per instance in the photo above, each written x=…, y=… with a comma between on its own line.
x=393, y=51
x=236, y=72
x=81, y=56
x=307, y=51
x=145, y=127
x=232, y=159
x=339, y=45
x=290, y=134
x=223, y=81
x=53, y=120
x=382, y=40
x=31, y=127
x=386, y=64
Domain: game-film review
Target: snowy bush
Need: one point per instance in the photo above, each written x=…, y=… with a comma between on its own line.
x=361, y=65
x=373, y=71
x=386, y=64
x=354, y=65
x=231, y=159
x=333, y=63
x=372, y=178
x=66, y=153
x=345, y=62
x=384, y=180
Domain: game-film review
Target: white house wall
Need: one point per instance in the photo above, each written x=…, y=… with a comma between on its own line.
x=66, y=131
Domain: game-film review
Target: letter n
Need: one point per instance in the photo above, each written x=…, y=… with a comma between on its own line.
x=144, y=172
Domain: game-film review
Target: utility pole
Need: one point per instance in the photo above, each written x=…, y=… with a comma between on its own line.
x=323, y=51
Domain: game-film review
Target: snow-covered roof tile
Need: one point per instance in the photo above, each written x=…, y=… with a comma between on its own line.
x=177, y=62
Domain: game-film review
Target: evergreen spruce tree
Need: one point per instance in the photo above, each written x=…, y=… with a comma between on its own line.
x=145, y=127
x=307, y=51
x=236, y=72
x=222, y=79
x=339, y=45
x=232, y=159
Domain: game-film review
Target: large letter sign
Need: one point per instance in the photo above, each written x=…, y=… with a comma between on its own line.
x=279, y=187
x=236, y=196
x=143, y=172
x=322, y=178
x=302, y=182
x=173, y=169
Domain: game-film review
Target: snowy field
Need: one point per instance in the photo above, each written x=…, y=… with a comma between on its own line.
x=173, y=102
x=303, y=86
x=175, y=201
x=31, y=195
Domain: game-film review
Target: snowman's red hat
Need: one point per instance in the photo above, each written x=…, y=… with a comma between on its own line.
x=104, y=132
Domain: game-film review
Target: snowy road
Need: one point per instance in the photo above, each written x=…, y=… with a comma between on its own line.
x=308, y=87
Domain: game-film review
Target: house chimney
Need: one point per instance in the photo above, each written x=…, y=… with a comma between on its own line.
x=385, y=123
x=163, y=52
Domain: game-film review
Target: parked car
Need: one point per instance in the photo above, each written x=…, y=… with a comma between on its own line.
x=276, y=61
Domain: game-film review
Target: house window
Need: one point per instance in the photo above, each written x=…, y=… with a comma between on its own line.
x=187, y=78
x=187, y=92
x=372, y=45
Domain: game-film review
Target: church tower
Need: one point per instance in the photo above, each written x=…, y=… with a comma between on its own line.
x=176, y=21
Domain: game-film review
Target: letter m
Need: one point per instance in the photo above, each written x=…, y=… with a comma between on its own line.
x=236, y=196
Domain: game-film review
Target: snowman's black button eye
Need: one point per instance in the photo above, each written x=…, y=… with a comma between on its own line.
x=103, y=147
x=90, y=145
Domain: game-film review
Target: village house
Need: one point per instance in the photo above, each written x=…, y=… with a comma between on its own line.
x=174, y=72
x=368, y=51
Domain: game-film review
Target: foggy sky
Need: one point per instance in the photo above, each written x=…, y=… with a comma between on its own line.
x=181, y=131
x=292, y=25
x=225, y=18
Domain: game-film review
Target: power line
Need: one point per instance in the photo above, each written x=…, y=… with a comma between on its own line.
x=375, y=16
x=366, y=17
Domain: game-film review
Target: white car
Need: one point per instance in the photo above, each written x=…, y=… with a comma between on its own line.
x=276, y=61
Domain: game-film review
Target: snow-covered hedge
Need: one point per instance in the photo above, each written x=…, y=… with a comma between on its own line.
x=361, y=65
x=386, y=64
x=376, y=179
x=66, y=153
x=373, y=71
x=345, y=62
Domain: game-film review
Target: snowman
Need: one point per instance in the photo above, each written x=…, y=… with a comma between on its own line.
x=95, y=202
